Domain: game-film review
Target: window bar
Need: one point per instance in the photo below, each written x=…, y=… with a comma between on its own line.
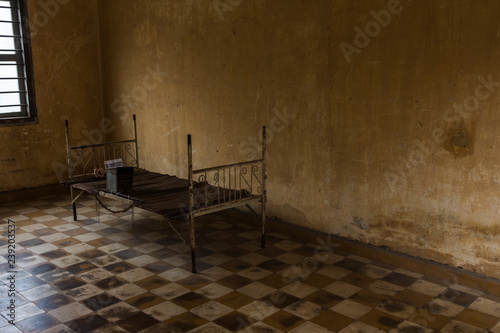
x=22, y=29
x=11, y=60
x=13, y=56
x=19, y=46
x=12, y=105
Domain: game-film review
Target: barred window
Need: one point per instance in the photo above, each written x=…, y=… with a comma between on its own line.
x=17, y=102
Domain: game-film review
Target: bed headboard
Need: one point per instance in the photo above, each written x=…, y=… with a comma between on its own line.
x=85, y=159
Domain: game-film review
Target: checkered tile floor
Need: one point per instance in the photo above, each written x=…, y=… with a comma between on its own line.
x=113, y=276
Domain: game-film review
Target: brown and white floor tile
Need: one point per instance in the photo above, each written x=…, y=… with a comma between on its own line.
x=119, y=276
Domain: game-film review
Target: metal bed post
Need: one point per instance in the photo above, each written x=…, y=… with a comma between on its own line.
x=70, y=173
x=264, y=193
x=191, y=206
x=136, y=159
x=135, y=141
x=73, y=204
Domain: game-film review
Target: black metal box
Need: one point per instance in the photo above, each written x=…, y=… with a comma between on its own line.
x=120, y=180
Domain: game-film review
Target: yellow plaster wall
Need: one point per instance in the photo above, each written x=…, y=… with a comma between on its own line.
x=371, y=148
x=65, y=46
x=387, y=136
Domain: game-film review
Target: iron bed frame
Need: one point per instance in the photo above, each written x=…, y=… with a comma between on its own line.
x=245, y=177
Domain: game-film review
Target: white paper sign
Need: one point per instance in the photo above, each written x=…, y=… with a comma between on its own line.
x=112, y=164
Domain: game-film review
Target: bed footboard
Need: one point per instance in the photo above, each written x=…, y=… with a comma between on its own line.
x=226, y=186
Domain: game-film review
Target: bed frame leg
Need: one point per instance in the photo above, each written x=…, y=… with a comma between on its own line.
x=97, y=213
x=192, y=241
x=263, y=226
x=193, y=261
x=264, y=190
x=73, y=204
x=192, y=229
x=133, y=216
x=74, y=211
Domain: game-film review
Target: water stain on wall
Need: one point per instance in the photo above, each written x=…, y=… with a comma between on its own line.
x=460, y=139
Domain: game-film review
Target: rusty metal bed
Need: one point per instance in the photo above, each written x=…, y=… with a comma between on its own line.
x=206, y=190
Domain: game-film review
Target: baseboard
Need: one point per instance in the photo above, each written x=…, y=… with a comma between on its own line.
x=30, y=193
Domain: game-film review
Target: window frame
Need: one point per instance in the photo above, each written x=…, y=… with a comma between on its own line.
x=31, y=116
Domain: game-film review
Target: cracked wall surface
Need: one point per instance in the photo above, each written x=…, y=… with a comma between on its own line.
x=382, y=115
